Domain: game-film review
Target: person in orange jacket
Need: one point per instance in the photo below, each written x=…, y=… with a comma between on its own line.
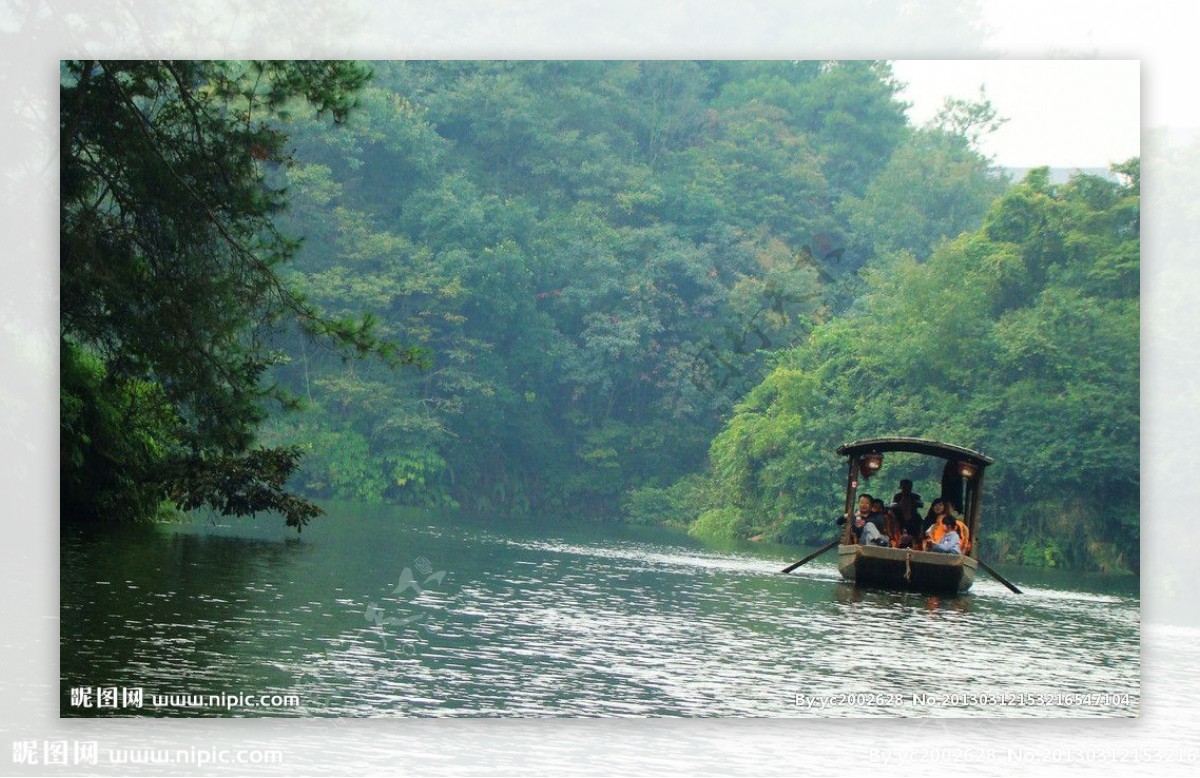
x=938, y=511
x=949, y=542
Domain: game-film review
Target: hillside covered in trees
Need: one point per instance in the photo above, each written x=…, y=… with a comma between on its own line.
x=1019, y=339
x=658, y=291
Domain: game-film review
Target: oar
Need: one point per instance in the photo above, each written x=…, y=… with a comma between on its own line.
x=810, y=557
x=997, y=576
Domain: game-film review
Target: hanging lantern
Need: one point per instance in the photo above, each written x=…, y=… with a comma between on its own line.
x=967, y=470
x=870, y=463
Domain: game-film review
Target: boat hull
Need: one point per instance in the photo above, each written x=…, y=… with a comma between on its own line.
x=905, y=569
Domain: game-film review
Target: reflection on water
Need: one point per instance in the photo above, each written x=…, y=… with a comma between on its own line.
x=847, y=594
x=380, y=612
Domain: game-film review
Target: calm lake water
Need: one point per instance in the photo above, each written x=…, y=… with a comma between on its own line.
x=390, y=612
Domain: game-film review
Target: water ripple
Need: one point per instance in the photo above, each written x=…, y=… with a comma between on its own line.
x=523, y=626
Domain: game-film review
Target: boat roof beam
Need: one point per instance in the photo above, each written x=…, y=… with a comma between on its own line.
x=915, y=446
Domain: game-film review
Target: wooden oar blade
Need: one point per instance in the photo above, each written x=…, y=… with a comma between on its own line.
x=998, y=577
x=810, y=557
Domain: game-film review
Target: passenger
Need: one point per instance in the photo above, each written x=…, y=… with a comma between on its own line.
x=891, y=526
x=869, y=534
x=907, y=505
x=878, y=515
x=905, y=540
x=864, y=510
x=963, y=534
x=959, y=526
x=864, y=505
x=949, y=543
x=934, y=527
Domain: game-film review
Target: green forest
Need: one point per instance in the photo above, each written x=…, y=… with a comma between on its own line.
x=657, y=292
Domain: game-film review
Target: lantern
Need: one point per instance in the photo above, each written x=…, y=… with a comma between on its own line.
x=870, y=463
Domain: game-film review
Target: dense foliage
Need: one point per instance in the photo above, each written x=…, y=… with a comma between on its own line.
x=1019, y=339
x=171, y=286
x=598, y=255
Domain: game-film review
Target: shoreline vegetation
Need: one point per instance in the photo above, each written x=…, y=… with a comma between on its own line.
x=664, y=291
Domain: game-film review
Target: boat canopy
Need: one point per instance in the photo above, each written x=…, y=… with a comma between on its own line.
x=915, y=446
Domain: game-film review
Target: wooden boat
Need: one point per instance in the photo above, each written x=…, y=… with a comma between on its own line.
x=899, y=568
x=908, y=569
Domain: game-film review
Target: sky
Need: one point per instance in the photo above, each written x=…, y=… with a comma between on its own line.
x=1161, y=33
x=1075, y=110
x=1061, y=112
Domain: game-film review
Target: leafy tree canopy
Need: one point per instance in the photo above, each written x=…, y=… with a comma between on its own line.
x=171, y=279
